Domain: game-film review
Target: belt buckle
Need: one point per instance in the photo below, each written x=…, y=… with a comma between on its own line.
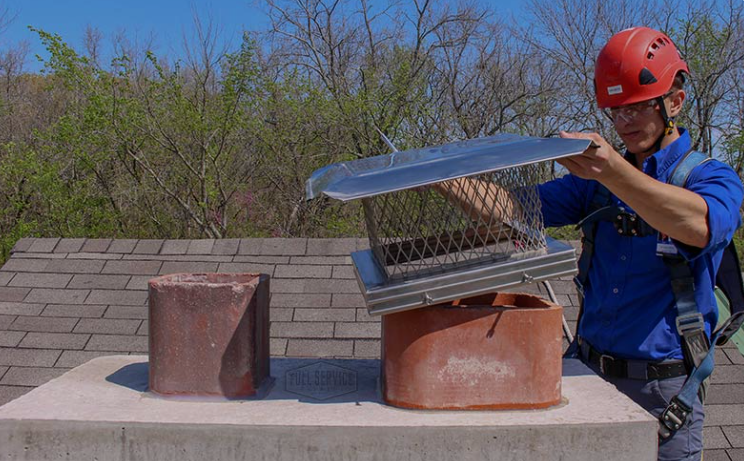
x=602, y=366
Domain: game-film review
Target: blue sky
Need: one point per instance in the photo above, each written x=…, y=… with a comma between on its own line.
x=168, y=20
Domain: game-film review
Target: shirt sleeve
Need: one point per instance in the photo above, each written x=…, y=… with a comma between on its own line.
x=720, y=187
x=563, y=200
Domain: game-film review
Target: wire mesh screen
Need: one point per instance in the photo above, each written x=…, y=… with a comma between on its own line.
x=468, y=221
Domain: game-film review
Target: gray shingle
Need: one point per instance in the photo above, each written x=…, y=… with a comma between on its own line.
x=734, y=435
x=724, y=415
x=200, y=247
x=44, y=324
x=278, y=347
x=250, y=246
x=88, y=281
x=288, y=286
x=73, y=310
x=261, y=259
x=118, y=343
x=324, y=315
x=96, y=256
x=357, y=330
x=69, y=245
x=126, y=312
x=30, y=376
x=321, y=260
x=362, y=315
x=28, y=357
x=6, y=277
x=226, y=246
x=148, y=246
x=42, y=256
x=720, y=357
x=281, y=315
x=72, y=359
x=57, y=296
x=15, y=264
x=716, y=455
x=302, y=272
x=132, y=267
x=144, y=329
x=320, y=348
x=22, y=245
x=343, y=272
x=192, y=267
x=124, y=246
x=39, y=280
x=75, y=266
x=54, y=341
x=300, y=301
x=728, y=374
x=735, y=356
x=284, y=246
x=174, y=247
x=108, y=326
x=331, y=286
x=96, y=246
x=302, y=329
x=11, y=338
x=121, y=297
x=247, y=268
x=366, y=349
x=13, y=294
x=43, y=245
x=735, y=455
x=331, y=246
x=15, y=308
x=185, y=258
x=139, y=282
x=348, y=300
x=713, y=438
x=6, y=320
x=8, y=393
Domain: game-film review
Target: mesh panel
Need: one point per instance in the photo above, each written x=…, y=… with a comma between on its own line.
x=463, y=222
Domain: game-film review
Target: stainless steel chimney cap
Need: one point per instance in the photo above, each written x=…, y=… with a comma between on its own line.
x=413, y=168
x=427, y=246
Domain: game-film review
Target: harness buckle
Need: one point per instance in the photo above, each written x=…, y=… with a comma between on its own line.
x=673, y=417
x=690, y=322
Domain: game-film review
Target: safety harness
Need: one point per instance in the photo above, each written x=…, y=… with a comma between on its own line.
x=698, y=352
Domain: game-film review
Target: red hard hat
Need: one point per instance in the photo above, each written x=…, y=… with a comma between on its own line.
x=636, y=65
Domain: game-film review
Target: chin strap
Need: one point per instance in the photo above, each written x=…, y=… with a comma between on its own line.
x=668, y=123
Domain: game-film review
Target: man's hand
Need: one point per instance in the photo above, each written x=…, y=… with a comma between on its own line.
x=597, y=162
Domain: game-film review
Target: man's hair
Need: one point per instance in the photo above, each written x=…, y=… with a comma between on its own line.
x=679, y=81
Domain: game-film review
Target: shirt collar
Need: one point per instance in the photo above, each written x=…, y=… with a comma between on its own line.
x=658, y=164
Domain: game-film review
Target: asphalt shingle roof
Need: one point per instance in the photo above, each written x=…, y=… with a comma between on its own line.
x=66, y=301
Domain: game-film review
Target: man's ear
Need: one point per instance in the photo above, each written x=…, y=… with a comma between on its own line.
x=676, y=100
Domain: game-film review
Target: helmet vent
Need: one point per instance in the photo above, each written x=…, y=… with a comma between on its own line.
x=646, y=77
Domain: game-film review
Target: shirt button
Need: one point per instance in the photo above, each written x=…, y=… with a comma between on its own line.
x=615, y=290
x=623, y=258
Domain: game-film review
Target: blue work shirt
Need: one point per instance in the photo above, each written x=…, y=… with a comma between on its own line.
x=629, y=308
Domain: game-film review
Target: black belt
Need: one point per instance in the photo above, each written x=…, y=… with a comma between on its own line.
x=631, y=369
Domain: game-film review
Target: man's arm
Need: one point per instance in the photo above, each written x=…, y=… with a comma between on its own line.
x=479, y=199
x=674, y=211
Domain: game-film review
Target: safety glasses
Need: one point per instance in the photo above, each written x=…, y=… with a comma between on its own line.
x=632, y=111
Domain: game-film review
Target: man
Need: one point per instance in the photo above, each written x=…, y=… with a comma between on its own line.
x=627, y=331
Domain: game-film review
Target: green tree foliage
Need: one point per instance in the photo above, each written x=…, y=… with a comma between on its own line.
x=220, y=143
